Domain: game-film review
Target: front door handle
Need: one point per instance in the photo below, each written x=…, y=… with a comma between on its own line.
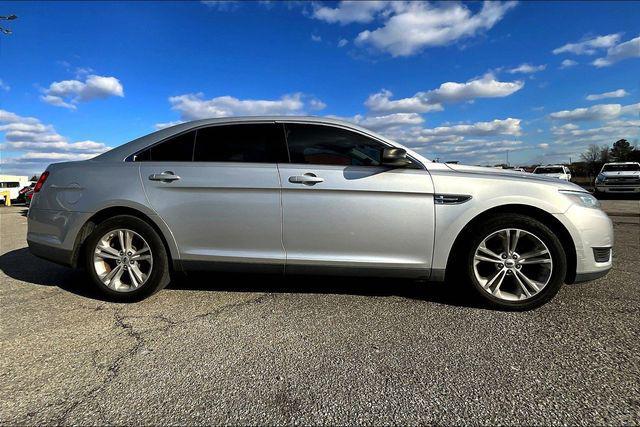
x=306, y=179
x=167, y=176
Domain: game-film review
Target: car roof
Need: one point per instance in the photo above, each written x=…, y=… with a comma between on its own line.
x=621, y=163
x=123, y=151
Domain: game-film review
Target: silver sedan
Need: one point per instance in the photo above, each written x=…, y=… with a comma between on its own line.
x=304, y=195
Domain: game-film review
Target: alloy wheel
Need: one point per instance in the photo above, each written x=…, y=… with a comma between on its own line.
x=123, y=260
x=512, y=264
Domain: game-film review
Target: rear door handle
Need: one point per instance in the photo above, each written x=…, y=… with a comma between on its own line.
x=306, y=179
x=164, y=176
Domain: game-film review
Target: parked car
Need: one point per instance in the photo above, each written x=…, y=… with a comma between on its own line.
x=23, y=192
x=28, y=197
x=303, y=195
x=554, y=171
x=620, y=177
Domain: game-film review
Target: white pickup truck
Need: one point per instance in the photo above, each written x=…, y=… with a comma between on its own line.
x=554, y=171
x=622, y=177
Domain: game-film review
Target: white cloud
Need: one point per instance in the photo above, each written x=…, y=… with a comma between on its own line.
x=343, y=42
x=527, y=69
x=620, y=93
x=192, y=106
x=611, y=131
x=589, y=46
x=449, y=92
x=485, y=87
x=628, y=49
x=68, y=93
x=568, y=63
x=5, y=87
x=28, y=133
x=507, y=126
x=543, y=145
x=381, y=102
x=413, y=26
x=316, y=38
x=350, y=11
x=476, y=142
x=596, y=112
x=388, y=121
x=159, y=126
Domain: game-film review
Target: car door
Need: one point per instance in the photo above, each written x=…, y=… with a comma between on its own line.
x=218, y=190
x=345, y=212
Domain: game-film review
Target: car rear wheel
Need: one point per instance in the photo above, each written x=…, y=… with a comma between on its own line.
x=126, y=259
x=515, y=262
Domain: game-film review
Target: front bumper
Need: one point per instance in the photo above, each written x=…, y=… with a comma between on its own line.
x=613, y=188
x=589, y=229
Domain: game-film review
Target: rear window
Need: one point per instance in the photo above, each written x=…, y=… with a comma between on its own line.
x=621, y=168
x=249, y=143
x=176, y=149
x=548, y=170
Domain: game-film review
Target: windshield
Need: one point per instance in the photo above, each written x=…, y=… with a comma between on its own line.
x=549, y=170
x=621, y=168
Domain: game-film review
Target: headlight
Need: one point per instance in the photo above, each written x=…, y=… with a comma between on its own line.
x=582, y=199
x=600, y=178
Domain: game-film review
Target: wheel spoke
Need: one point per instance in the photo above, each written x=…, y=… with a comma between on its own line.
x=531, y=283
x=128, y=238
x=121, y=240
x=108, y=249
x=495, y=257
x=110, y=276
x=494, y=278
x=507, y=241
x=140, y=257
x=515, y=239
x=522, y=285
x=106, y=255
x=536, y=261
x=134, y=280
x=135, y=270
x=486, y=259
x=534, y=254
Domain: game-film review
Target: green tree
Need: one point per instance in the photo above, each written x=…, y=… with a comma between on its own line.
x=621, y=150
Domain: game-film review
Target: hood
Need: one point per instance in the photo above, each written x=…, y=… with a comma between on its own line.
x=520, y=176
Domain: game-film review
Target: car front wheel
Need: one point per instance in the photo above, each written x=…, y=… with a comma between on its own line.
x=515, y=262
x=126, y=259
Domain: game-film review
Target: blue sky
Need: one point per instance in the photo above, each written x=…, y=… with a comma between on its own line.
x=456, y=81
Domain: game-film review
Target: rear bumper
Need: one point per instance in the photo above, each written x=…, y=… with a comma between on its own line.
x=50, y=253
x=51, y=234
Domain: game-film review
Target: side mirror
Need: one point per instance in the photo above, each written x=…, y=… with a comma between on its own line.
x=396, y=157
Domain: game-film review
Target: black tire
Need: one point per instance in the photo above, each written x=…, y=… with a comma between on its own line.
x=480, y=231
x=159, y=276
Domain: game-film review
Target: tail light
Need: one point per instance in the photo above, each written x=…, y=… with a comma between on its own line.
x=41, y=181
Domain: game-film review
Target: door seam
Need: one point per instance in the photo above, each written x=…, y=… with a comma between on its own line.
x=284, y=250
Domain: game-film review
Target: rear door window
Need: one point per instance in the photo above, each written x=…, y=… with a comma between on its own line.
x=247, y=143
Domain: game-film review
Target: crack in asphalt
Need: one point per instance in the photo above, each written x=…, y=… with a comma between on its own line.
x=113, y=370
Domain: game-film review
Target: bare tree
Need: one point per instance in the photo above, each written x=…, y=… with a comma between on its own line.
x=592, y=154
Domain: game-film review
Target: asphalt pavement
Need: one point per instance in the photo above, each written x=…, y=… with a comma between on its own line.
x=238, y=349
